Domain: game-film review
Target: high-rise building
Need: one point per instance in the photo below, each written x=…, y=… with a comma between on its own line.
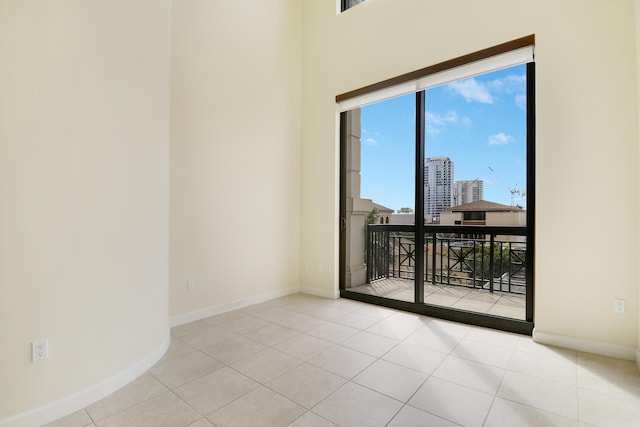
x=467, y=191
x=438, y=186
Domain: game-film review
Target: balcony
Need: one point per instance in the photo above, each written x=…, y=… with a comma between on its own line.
x=474, y=268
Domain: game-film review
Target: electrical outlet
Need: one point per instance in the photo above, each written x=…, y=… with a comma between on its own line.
x=39, y=350
x=191, y=284
x=619, y=306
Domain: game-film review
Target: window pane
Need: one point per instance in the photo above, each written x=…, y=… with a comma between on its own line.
x=475, y=175
x=346, y=4
x=380, y=193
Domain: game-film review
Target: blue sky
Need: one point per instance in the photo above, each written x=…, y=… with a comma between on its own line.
x=480, y=123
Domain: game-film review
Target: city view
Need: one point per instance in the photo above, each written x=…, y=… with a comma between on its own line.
x=475, y=144
x=475, y=169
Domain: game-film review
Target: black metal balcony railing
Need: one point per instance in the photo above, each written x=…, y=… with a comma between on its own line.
x=492, y=258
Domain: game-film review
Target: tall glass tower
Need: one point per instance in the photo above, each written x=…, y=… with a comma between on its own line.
x=438, y=186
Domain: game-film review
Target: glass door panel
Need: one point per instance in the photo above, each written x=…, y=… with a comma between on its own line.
x=475, y=181
x=379, y=172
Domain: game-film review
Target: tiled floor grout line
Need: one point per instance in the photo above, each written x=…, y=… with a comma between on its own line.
x=455, y=340
x=265, y=385
x=382, y=358
x=90, y=417
x=311, y=410
x=347, y=380
x=96, y=421
x=172, y=390
x=494, y=304
x=206, y=416
x=351, y=380
x=431, y=376
x=411, y=397
x=507, y=370
x=495, y=395
x=493, y=401
x=396, y=414
x=578, y=397
x=187, y=403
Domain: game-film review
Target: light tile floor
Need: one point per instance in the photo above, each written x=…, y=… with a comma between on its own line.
x=307, y=361
x=479, y=300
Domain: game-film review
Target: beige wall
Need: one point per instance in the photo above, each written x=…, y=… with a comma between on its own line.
x=586, y=112
x=235, y=151
x=84, y=192
x=638, y=99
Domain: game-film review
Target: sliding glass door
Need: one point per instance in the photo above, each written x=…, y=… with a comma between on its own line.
x=437, y=199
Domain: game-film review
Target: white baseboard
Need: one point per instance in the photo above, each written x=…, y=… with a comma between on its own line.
x=332, y=294
x=70, y=404
x=588, y=346
x=192, y=316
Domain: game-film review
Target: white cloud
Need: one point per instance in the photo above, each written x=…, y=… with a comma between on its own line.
x=500, y=139
x=517, y=80
x=437, y=119
x=472, y=90
x=510, y=84
x=435, y=123
x=370, y=137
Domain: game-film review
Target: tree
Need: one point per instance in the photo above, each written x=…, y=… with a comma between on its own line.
x=371, y=217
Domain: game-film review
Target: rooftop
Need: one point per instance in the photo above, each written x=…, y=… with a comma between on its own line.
x=382, y=208
x=483, y=206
